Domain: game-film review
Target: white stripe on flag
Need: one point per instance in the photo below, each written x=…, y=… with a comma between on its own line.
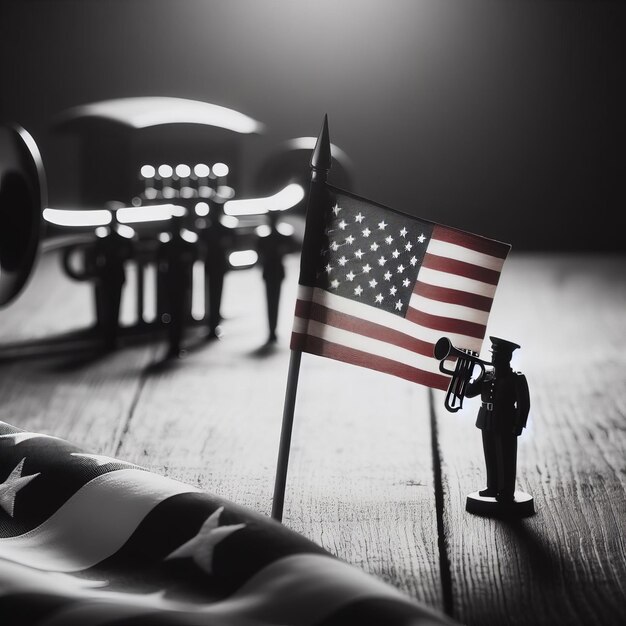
x=444, y=309
x=369, y=345
x=378, y=316
x=453, y=281
x=459, y=253
x=94, y=523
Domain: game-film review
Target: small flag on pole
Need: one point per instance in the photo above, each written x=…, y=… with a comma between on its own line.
x=378, y=288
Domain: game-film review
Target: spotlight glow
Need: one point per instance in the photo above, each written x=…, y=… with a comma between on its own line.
x=229, y=221
x=125, y=231
x=201, y=170
x=188, y=235
x=225, y=192
x=202, y=209
x=68, y=217
x=183, y=171
x=285, y=229
x=165, y=171
x=243, y=258
x=150, y=213
x=285, y=199
x=142, y=112
x=263, y=230
x=147, y=171
x=221, y=169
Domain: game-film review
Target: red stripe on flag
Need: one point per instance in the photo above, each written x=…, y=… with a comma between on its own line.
x=473, y=242
x=330, y=317
x=446, y=324
x=460, y=268
x=453, y=296
x=321, y=347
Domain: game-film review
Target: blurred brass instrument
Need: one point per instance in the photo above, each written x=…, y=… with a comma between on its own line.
x=466, y=360
x=22, y=196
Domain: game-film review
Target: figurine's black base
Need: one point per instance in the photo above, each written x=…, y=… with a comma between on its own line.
x=521, y=506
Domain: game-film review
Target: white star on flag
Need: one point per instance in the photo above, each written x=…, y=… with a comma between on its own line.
x=200, y=548
x=14, y=482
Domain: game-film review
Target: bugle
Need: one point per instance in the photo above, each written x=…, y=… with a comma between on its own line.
x=466, y=360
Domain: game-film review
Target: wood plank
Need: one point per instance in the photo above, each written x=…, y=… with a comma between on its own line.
x=85, y=400
x=567, y=564
x=360, y=479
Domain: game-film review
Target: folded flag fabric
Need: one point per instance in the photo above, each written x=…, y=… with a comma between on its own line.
x=378, y=287
x=86, y=539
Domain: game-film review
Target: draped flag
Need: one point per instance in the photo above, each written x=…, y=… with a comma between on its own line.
x=89, y=539
x=378, y=288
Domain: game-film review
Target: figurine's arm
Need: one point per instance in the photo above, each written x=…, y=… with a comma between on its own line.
x=474, y=387
x=522, y=402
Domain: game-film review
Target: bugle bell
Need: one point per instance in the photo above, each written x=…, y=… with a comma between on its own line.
x=466, y=360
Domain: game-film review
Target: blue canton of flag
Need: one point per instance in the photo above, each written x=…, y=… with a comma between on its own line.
x=371, y=258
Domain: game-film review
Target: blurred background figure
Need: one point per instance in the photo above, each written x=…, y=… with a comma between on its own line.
x=272, y=248
x=177, y=254
x=107, y=267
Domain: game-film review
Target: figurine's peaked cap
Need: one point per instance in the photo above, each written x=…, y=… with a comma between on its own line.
x=502, y=345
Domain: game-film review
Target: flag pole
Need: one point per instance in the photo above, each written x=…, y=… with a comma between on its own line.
x=320, y=165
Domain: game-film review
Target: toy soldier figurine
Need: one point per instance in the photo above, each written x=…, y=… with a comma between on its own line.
x=217, y=239
x=271, y=249
x=177, y=257
x=110, y=254
x=505, y=404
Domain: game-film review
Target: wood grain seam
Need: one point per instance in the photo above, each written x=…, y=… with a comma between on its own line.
x=442, y=543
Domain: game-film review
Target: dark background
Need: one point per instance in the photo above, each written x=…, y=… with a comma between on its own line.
x=498, y=116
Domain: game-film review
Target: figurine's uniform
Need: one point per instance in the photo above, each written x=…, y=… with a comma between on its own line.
x=505, y=404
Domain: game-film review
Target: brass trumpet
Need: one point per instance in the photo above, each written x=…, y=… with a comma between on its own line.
x=466, y=360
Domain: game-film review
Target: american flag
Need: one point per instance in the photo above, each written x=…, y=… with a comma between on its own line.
x=378, y=288
x=89, y=539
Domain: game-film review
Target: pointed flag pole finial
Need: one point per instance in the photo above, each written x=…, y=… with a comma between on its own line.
x=321, y=159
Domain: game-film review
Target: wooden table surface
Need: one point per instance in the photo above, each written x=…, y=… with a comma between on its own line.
x=379, y=470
